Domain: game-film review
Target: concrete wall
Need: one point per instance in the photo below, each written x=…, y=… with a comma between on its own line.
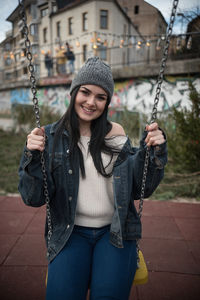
x=136, y=94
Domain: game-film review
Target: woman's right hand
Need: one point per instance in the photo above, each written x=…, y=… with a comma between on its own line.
x=36, y=139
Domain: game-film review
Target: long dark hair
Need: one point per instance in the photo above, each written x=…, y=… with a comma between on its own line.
x=100, y=127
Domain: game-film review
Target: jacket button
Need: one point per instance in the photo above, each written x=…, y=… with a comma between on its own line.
x=67, y=150
x=70, y=198
x=68, y=226
x=70, y=172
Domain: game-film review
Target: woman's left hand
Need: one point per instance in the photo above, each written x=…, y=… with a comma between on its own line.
x=154, y=136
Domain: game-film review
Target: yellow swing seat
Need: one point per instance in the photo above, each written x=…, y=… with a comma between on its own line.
x=141, y=274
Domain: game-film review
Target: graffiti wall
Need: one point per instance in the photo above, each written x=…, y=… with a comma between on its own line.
x=139, y=95
x=136, y=95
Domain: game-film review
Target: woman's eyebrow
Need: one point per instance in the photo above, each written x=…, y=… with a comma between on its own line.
x=99, y=94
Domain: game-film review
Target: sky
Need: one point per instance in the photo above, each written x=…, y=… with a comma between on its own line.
x=7, y=7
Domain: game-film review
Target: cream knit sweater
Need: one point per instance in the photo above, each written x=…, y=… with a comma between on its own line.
x=95, y=204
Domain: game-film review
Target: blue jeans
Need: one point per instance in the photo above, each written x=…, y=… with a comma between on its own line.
x=89, y=260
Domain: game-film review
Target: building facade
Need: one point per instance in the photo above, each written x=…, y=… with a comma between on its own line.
x=91, y=27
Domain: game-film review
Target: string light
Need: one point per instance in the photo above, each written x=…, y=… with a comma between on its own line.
x=105, y=43
x=148, y=44
x=121, y=43
x=77, y=44
x=189, y=43
x=158, y=44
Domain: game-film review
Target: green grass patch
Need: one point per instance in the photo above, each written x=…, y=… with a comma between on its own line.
x=11, y=147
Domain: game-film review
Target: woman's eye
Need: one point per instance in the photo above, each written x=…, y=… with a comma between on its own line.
x=84, y=92
x=102, y=98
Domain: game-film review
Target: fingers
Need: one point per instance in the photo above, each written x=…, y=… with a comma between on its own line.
x=36, y=139
x=154, y=136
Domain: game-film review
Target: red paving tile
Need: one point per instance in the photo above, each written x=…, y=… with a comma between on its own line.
x=190, y=228
x=170, y=286
x=14, y=222
x=184, y=210
x=37, y=224
x=160, y=227
x=194, y=248
x=168, y=255
x=22, y=283
x=6, y=244
x=12, y=204
x=29, y=250
x=156, y=208
x=170, y=244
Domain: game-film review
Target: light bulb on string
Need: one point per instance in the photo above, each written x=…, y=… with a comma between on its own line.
x=158, y=44
x=178, y=44
x=148, y=44
x=121, y=43
x=95, y=46
x=77, y=44
x=105, y=43
x=189, y=43
x=163, y=37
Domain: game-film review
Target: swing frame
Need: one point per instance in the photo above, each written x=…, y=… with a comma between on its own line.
x=141, y=275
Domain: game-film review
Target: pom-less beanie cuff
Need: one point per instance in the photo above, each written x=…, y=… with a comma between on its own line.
x=96, y=72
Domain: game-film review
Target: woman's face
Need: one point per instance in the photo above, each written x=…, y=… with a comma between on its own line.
x=90, y=103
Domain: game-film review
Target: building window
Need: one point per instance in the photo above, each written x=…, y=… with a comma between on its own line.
x=8, y=76
x=7, y=46
x=58, y=29
x=85, y=21
x=84, y=53
x=102, y=52
x=125, y=9
x=54, y=8
x=70, y=31
x=45, y=35
x=8, y=61
x=44, y=12
x=33, y=29
x=103, y=19
x=25, y=71
x=33, y=11
x=136, y=9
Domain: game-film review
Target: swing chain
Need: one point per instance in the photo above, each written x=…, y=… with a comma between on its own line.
x=156, y=100
x=22, y=15
x=164, y=60
x=154, y=110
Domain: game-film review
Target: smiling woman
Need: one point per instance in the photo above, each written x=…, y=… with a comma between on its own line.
x=93, y=175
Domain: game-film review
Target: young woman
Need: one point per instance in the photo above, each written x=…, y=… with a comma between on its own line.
x=94, y=176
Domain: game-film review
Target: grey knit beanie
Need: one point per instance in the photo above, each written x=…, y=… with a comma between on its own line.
x=96, y=72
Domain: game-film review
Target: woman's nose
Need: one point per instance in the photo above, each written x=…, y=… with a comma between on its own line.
x=91, y=100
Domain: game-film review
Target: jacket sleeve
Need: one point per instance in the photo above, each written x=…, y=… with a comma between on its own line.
x=31, y=178
x=155, y=172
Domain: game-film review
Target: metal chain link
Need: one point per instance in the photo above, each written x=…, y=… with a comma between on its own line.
x=27, y=42
x=154, y=110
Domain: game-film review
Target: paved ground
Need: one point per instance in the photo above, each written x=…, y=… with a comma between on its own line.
x=171, y=247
